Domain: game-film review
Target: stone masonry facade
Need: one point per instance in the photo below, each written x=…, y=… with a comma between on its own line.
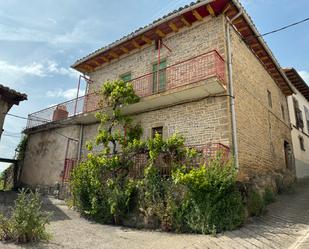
x=261, y=130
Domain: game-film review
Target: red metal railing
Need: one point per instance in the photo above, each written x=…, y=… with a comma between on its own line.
x=206, y=151
x=178, y=75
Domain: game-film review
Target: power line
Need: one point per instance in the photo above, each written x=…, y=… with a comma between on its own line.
x=28, y=118
x=8, y=135
x=280, y=29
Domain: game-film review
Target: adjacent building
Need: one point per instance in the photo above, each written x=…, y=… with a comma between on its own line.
x=202, y=71
x=299, y=113
x=8, y=98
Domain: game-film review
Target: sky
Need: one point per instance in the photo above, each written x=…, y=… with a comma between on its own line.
x=40, y=40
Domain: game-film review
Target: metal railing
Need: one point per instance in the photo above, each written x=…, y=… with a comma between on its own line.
x=178, y=75
x=206, y=153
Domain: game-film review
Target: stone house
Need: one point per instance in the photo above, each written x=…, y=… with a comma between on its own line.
x=202, y=71
x=299, y=113
x=8, y=98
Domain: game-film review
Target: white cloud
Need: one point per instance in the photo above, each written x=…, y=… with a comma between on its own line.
x=66, y=94
x=34, y=69
x=42, y=69
x=305, y=76
x=54, y=68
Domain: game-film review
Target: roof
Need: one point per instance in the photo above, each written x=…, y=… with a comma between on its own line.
x=297, y=81
x=11, y=96
x=185, y=17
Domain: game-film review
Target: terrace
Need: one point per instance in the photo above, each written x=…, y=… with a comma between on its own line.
x=191, y=79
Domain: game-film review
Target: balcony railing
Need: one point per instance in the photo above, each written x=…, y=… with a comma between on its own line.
x=178, y=75
x=140, y=161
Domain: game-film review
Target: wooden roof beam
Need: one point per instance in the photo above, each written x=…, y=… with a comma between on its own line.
x=264, y=58
x=255, y=45
x=104, y=58
x=124, y=49
x=113, y=54
x=185, y=22
x=135, y=44
x=87, y=67
x=160, y=33
x=210, y=10
x=96, y=62
x=243, y=29
x=228, y=6
x=238, y=21
x=173, y=27
x=146, y=39
x=197, y=15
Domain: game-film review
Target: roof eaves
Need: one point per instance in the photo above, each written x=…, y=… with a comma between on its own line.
x=144, y=29
x=17, y=95
x=263, y=42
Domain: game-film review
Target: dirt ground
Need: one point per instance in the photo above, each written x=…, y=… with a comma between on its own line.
x=286, y=225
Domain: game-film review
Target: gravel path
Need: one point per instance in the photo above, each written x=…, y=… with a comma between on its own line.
x=286, y=225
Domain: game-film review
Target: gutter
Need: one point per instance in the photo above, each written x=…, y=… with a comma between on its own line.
x=142, y=31
x=231, y=88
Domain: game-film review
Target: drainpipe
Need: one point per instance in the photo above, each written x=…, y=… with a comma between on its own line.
x=80, y=142
x=231, y=88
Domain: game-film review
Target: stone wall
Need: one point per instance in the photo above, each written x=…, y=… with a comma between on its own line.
x=261, y=129
x=200, y=122
x=45, y=155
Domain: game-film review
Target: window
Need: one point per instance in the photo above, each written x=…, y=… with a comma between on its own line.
x=270, y=101
x=307, y=117
x=159, y=77
x=298, y=115
x=282, y=111
x=158, y=130
x=301, y=143
x=126, y=77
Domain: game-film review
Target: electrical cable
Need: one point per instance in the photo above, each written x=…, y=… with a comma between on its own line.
x=279, y=29
x=26, y=118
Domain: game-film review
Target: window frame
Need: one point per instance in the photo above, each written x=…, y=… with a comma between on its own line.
x=302, y=143
x=162, y=86
x=124, y=75
x=154, y=131
x=306, y=111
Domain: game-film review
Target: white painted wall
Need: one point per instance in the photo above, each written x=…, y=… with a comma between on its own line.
x=301, y=157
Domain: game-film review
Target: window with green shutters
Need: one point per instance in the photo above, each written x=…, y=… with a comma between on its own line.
x=126, y=77
x=159, y=83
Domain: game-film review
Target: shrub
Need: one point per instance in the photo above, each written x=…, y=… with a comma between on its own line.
x=213, y=199
x=269, y=196
x=28, y=221
x=88, y=190
x=255, y=203
x=196, y=198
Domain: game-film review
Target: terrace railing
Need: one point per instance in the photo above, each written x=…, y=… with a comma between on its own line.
x=206, y=152
x=178, y=75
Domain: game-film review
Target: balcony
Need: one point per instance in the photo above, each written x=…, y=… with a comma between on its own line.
x=195, y=78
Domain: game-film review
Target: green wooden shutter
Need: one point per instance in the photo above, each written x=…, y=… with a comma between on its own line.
x=162, y=77
x=126, y=77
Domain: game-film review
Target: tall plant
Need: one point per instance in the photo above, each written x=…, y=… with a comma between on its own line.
x=99, y=181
